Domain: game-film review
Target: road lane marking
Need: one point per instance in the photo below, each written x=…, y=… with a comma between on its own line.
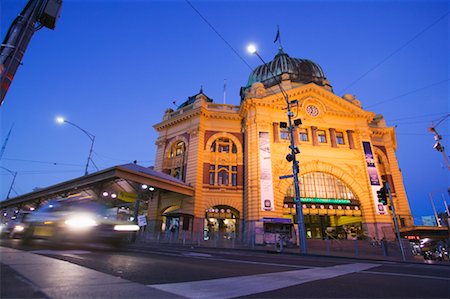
x=408, y=275
x=252, y=284
x=212, y=258
x=196, y=254
x=66, y=253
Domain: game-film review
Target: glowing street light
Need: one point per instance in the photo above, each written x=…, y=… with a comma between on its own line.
x=251, y=49
x=61, y=120
x=291, y=158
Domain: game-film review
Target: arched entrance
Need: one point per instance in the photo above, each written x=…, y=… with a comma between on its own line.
x=330, y=208
x=175, y=220
x=221, y=222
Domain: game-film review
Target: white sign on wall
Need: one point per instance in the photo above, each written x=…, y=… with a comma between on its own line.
x=265, y=163
x=142, y=220
x=375, y=182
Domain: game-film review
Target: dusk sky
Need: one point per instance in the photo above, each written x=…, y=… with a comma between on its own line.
x=114, y=67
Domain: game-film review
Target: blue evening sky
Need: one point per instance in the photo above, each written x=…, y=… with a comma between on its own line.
x=114, y=67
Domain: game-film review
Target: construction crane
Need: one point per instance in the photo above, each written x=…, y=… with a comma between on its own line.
x=35, y=15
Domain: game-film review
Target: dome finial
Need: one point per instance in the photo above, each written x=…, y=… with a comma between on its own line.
x=201, y=88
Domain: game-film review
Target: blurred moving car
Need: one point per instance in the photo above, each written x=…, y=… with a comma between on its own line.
x=76, y=221
x=15, y=227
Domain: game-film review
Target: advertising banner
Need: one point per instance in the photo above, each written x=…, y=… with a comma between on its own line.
x=265, y=161
x=375, y=182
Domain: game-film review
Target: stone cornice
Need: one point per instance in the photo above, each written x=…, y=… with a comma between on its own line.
x=303, y=93
x=178, y=119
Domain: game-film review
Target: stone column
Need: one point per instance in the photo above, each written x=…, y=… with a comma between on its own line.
x=351, y=143
x=333, y=137
x=315, y=141
x=276, y=132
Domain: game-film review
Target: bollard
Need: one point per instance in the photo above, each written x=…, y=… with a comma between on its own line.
x=355, y=243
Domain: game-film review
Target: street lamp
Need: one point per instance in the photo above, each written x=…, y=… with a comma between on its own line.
x=61, y=120
x=291, y=158
x=14, y=174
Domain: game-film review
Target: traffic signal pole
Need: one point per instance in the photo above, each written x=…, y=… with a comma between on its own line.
x=388, y=189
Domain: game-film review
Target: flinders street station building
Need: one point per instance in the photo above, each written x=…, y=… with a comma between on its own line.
x=222, y=171
x=233, y=158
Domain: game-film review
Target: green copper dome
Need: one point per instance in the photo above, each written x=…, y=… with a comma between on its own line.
x=299, y=70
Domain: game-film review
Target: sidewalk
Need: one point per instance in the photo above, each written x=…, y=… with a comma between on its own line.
x=29, y=275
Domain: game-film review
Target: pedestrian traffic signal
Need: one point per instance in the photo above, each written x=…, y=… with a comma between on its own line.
x=382, y=198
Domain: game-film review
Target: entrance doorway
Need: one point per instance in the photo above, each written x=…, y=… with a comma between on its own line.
x=221, y=222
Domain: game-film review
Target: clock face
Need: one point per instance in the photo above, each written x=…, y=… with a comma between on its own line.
x=312, y=110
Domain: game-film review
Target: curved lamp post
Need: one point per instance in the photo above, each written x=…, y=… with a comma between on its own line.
x=14, y=174
x=295, y=164
x=91, y=137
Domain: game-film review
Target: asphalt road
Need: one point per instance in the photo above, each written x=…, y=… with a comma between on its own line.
x=212, y=273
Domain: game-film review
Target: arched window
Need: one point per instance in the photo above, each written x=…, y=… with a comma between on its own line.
x=177, y=149
x=175, y=162
x=224, y=174
x=321, y=185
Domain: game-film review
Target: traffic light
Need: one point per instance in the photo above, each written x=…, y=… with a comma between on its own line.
x=382, y=198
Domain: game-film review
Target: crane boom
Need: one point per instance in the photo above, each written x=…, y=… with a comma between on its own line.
x=45, y=13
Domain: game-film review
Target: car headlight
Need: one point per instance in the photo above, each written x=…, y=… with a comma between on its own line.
x=126, y=227
x=19, y=228
x=80, y=222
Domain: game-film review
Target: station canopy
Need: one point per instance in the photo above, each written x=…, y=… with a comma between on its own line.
x=118, y=184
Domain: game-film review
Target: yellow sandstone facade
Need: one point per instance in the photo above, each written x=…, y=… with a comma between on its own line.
x=234, y=156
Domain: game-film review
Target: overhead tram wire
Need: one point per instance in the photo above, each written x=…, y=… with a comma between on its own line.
x=408, y=93
x=42, y=162
x=417, y=116
x=219, y=35
x=396, y=51
x=102, y=156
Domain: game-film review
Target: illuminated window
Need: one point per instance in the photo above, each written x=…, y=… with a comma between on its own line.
x=284, y=134
x=222, y=178
x=223, y=149
x=322, y=136
x=321, y=185
x=177, y=149
x=340, y=138
x=212, y=174
x=303, y=134
x=175, y=163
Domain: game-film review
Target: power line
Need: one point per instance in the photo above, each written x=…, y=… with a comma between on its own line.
x=415, y=117
x=408, y=93
x=43, y=162
x=218, y=34
x=396, y=51
x=101, y=156
x=31, y=172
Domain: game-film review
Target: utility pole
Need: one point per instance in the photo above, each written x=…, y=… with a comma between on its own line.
x=291, y=158
x=438, y=146
x=388, y=189
x=434, y=210
x=44, y=13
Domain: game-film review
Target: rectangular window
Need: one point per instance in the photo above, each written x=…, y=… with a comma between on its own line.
x=212, y=173
x=303, y=134
x=340, y=138
x=284, y=134
x=321, y=136
x=234, y=175
x=223, y=178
